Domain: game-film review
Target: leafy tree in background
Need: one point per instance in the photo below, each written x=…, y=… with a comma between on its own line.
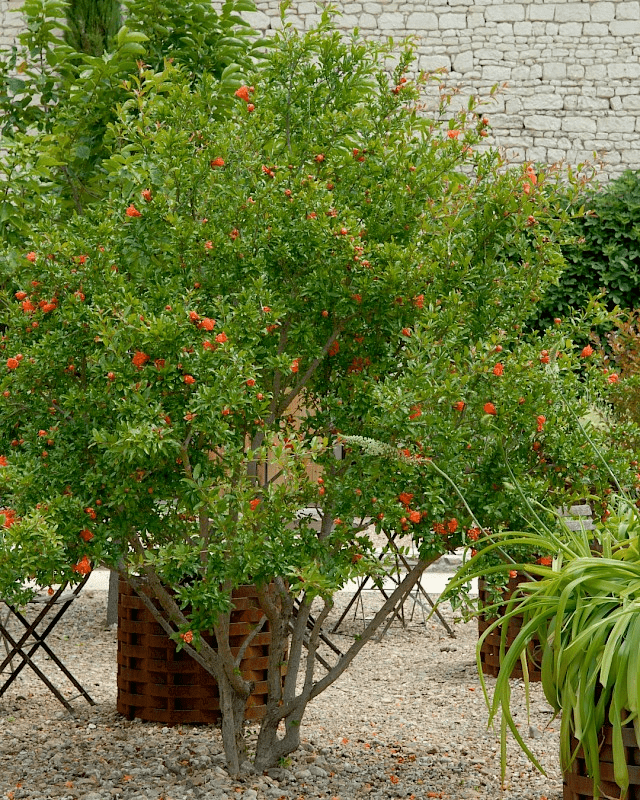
x=92, y=25
x=321, y=260
x=57, y=102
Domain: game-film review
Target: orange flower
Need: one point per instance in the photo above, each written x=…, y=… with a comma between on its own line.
x=207, y=323
x=459, y=406
x=513, y=573
x=405, y=498
x=613, y=378
x=540, y=420
x=250, y=107
x=489, y=408
x=295, y=365
x=587, y=351
x=419, y=301
x=334, y=349
x=111, y=376
x=406, y=331
x=20, y=295
x=7, y=517
x=187, y=637
x=498, y=369
x=146, y=195
x=86, y=535
x=83, y=567
x=31, y=257
x=251, y=382
x=132, y=211
x=544, y=357
x=416, y=412
x=217, y=162
x=452, y=525
x=243, y=93
x=221, y=338
x=194, y=316
x=545, y=561
x=3, y=461
x=234, y=234
x=207, y=345
x=139, y=359
x=319, y=158
x=473, y=534
x=90, y=512
x=453, y=134
x=415, y=516
x=254, y=503
x=12, y=363
x=159, y=363
x=189, y=379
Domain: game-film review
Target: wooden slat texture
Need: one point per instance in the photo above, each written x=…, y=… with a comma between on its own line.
x=490, y=651
x=579, y=786
x=158, y=684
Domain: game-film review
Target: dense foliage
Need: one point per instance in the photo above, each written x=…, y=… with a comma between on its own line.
x=605, y=255
x=92, y=24
x=57, y=102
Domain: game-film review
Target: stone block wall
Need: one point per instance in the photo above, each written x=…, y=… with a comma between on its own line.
x=571, y=67
x=10, y=23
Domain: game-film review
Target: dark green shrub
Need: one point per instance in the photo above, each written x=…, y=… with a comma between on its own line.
x=604, y=256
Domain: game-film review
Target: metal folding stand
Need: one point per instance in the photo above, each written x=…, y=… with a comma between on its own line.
x=398, y=612
x=395, y=577
x=18, y=649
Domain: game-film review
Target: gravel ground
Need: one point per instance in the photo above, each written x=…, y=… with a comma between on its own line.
x=407, y=721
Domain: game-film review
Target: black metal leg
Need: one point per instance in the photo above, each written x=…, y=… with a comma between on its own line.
x=31, y=632
x=27, y=660
x=40, y=642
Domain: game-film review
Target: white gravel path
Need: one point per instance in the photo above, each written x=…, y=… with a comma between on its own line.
x=408, y=721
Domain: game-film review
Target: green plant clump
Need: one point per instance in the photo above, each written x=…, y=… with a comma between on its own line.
x=584, y=608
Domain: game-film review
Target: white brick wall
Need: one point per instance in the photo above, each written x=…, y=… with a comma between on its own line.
x=572, y=66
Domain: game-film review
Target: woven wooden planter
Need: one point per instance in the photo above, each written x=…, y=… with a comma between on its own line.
x=490, y=651
x=158, y=684
x=579, y=786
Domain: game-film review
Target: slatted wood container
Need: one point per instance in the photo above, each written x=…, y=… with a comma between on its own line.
x=490, y=651
x=158, y=684
x=579, y=786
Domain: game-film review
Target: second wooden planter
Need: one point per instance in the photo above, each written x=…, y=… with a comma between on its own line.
x=158, y=684
x=490, y=651
x=578, y=785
